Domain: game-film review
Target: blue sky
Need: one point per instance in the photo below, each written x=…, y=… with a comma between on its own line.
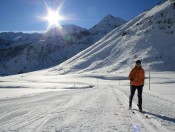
x=23, y=15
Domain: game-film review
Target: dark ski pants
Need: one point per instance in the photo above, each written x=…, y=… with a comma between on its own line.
x=132, y=92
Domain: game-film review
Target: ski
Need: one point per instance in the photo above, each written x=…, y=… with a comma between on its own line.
x=146, y=115
x=132, y=111
x=142, y=112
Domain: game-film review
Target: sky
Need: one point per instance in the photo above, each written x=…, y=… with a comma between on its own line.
x=25, y=15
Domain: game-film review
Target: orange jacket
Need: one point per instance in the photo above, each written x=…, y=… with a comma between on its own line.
x=137, y=76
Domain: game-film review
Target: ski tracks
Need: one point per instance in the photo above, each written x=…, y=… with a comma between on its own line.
x=30, y=116
x=96, y=109
x=102, y=108
x=99, y=111
x=150, y=125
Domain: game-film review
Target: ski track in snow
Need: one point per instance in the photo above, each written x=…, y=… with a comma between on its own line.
x=82, y=110
x=103, y=108
x=160, y=109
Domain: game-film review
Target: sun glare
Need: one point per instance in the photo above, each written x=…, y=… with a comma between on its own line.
x=53, y=18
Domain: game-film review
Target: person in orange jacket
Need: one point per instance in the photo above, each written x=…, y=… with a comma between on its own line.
x=136, y=77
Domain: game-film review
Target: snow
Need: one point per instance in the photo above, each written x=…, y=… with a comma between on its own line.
x=52, y=102
x=18, y=38
x=13, y=92
x=149, y=37
x=94, y=96
x=24, y=52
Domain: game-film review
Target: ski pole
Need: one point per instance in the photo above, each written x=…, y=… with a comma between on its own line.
x=149, y=78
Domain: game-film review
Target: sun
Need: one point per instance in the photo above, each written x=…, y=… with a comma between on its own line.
x=53, y=17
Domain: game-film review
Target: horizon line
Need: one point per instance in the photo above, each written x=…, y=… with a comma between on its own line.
x=32, y=31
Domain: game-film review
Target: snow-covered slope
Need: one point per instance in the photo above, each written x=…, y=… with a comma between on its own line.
x=12, y=45
x=46, y=101
x=19, y=38
x=51, y=48
x=149, y=37
x=4, y=43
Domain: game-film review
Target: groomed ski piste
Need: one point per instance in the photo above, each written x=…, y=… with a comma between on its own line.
x=90, y=92
x=42, y=101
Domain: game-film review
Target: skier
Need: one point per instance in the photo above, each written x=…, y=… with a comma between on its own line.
x=136, y=77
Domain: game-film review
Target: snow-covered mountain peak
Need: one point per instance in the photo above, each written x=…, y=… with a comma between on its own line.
x=37, y=51
x=149, y=37
x=110, y=17
x=108, y=22
x=106, y=25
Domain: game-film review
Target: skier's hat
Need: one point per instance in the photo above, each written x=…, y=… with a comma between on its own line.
x=138, y=61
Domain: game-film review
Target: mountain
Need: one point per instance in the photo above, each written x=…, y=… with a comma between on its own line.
x=4, y=43
x=106, y=25
x=149, y=37
x=30, y=52
x=19, y=38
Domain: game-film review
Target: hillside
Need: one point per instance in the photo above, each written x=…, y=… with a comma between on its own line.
x=29, y=52
x=149, y=37
x=97, y=99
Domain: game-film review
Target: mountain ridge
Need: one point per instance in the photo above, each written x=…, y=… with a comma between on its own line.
x=46, y=50
x=149, y=37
